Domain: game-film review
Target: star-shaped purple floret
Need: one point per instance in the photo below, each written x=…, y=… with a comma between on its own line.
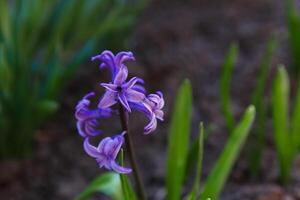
x=121, y=91
x=106, y=153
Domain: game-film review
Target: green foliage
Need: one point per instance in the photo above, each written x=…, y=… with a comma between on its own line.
x=108, y=183
x=42, y=43
x=295, y=121
x=226, y=74
x=286, y=134
x=116, y=186
x=178, y=141
x=193, y=195
x=261, y=106
x=128, y=192
x=293, y=21
x=222, y=168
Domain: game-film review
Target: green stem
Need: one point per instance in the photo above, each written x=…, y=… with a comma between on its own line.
x=132, y=158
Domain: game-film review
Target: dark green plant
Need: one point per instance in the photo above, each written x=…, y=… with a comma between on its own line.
x=293, y=22
x=257, y=99
x=41, y=45
x=225, y=81
x=286, y=126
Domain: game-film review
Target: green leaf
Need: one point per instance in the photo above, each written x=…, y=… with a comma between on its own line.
x=195, y=190
x=179, y=141
x=261, y=107
x=192, y=157
x=5, y=21
x=229, y=62
x=293, y=21
x=107, y=183
x=295, y=122
x=280, y=104
x=128, y=192
x=5, y=73
x=223, y=166
x=47, y=107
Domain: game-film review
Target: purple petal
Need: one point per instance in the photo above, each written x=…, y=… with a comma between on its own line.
x=141, y=108
x=151, y=126
x=108, y=60
x=91, y=127
x=84, y=102
x=109, y=86
x=162, y=101
x=134, y=96
x=102, y=161
x=90, y=149
x=108, y=99
x=112, y=148
x=119, y=169
x=139, y=88
x=123, y=56
x=121, y=76
x=80, y=128
x=154, y=98
x=123, y=100
x=159, y=114
x=132, y=82
x=104, y=113
x=102, y=144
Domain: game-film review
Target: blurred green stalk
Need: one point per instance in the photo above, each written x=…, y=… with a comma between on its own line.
x=42, y=43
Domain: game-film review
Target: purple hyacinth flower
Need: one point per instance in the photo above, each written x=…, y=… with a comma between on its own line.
x=151, y=106
x=106, y=153
x=122, y=91
x=154, y=104
x=114, y=63
x=87, y=119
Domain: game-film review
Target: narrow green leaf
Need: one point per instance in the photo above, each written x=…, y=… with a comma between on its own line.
x=5, y=21
x=107, y=183
x=261, y=107
x=280, y=104
x=192, y=157
x=5, y=73
x=228, y=65
x=293, y=21
x=195, y=190
x=178, y=141
x=218, y=176
x=295, y=122
x=128, y=192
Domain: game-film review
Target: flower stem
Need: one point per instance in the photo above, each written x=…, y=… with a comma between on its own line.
x=132, y=158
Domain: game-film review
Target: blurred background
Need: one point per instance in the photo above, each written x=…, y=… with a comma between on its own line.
x=45, y=68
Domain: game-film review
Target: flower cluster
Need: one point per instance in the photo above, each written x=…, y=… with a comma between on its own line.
x=130, y=94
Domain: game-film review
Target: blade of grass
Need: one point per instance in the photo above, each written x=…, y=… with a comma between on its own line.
x=229, y=62
x=5, y=22
x=195, y=189
x=295, y=122
x=222, y=168
x=280, y=104
x=261, y=108
x=128, y=192
x=293, y=21
x=178, y=141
